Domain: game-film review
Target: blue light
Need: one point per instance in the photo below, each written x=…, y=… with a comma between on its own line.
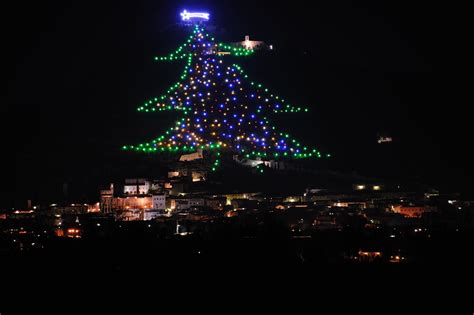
x=194, y=16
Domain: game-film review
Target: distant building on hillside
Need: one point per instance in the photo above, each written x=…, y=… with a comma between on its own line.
x=253, y=44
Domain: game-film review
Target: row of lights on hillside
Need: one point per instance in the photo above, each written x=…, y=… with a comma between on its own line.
x=363, y=187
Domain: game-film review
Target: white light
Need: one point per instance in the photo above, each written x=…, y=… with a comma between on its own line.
x=187, y=16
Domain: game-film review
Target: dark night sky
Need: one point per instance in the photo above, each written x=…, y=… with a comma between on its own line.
x=78, y=69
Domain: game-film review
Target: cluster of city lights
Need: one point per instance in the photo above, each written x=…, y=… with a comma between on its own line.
x=222, y=109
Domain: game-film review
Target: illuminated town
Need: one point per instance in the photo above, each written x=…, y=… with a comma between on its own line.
x=191, y=203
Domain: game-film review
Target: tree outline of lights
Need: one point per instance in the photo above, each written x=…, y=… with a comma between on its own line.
x=221, y=109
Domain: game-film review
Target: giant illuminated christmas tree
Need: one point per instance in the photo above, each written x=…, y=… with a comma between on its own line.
x=221, y=108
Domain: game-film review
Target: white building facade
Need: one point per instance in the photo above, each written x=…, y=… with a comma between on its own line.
x=159, y=202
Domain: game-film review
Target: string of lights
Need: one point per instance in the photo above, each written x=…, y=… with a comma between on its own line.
x=222, y=109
